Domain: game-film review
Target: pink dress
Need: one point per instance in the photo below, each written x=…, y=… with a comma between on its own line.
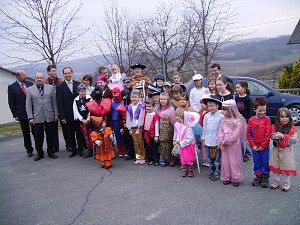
x=187, y=145
x=169, y=111
x=231, y=130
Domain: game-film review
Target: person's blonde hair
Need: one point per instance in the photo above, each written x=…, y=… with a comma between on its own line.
x=168, y=98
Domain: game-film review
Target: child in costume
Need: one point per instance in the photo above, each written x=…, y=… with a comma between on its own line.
x=209, y=136
x=258, y=134
x=244, y=104
x=82, y=118
x=118, y=120
x=165, y=107
x=231, y=133
x=116, y=78
x=135, y=113
x=282, y=161
x=151, y=133
x=186, y=139
x=166, y=133
x=102, y=136
x=211, y=85
x=176, y=91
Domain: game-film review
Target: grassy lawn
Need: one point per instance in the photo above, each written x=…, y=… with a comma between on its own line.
x=12, y=128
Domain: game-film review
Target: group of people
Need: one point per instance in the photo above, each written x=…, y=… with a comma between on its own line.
x=157, y=122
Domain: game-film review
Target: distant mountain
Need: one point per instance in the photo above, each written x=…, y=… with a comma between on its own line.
x=235, y=58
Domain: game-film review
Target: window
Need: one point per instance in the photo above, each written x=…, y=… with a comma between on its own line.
x=257, y=89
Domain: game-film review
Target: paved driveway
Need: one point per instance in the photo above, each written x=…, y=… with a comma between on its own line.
x=78, y=191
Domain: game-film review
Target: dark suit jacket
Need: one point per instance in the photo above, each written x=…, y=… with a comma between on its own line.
x=17, y=100
x=65, y=98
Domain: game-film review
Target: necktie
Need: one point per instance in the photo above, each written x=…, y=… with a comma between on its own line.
x=70, y=86
x=41, y=91
x=23, y=88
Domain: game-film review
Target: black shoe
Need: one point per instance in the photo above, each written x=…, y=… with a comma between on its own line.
x=129, y=157
x=73, y=154
x=68, y=148
x=265, y=181
x=55, y=150
x=38, y=157
x=257, y=180
x=29, y=154
x=52, y=155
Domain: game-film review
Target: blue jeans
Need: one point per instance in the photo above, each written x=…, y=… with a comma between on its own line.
x=246, y=150
x=214, y=163
x=261, y=161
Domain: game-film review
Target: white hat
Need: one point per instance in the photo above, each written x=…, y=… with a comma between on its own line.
x=229, y=103
x=197, y=77
x=191, y=118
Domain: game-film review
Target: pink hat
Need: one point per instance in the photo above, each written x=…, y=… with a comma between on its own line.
x=103, y=78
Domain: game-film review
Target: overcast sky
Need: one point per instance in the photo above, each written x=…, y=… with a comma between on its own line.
x=261, y=18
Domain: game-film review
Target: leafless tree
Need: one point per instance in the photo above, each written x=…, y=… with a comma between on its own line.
x=46, y=29
x=216, y=21
x=117, y=41
x=172, y=34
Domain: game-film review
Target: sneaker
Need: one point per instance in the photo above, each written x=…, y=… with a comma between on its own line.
x=120, y=156
x=286, y=186
x=155, y=164
x=142, y=161
x=172, y=163
x=215, y=178
x=150, y=163
x=210, y=176
x=126, y=155
x=163, y=164
x=206, y=164
x=136, y=162
x=275, y=184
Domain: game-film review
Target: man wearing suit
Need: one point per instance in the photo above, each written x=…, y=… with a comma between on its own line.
x=66, y=92
x=16, y=99
x=42, y=113
x=54, y=81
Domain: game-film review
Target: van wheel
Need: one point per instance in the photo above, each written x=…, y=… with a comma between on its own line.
x=295, y=111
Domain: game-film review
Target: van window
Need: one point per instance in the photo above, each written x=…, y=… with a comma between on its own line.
x=257, y=89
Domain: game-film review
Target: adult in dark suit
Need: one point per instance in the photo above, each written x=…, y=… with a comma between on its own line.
x=42, y=113
x=16, y=99
x=216, y=72
x=54, y=81
x=66, y=92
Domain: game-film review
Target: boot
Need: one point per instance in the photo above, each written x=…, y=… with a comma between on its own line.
x=265, y=181
x=257, y=180
x=184, y=170
x=190, y=170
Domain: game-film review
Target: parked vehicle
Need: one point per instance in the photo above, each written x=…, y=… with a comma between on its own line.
x=275, y=99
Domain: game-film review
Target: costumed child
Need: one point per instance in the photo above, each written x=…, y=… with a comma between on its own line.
x=118, y=120
x=209, y=136
x=203, y=111
x=151, y=133
x=82, y=118
x=258, y=134
x=135, y=114
x=127, y=138
x=197, y=92
x=244, y=104
x=165, y=107
x=167, y=88
x=166, y=133
x=159, y=81
x=116, y=78
x=186, y=139
x=102, y=136
x=282, y=160
x=231, y=133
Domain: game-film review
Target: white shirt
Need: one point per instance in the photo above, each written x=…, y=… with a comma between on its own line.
x=211, y=126
x=196, y=96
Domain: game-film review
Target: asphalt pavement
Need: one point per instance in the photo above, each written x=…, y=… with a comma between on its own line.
x=78, y=191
